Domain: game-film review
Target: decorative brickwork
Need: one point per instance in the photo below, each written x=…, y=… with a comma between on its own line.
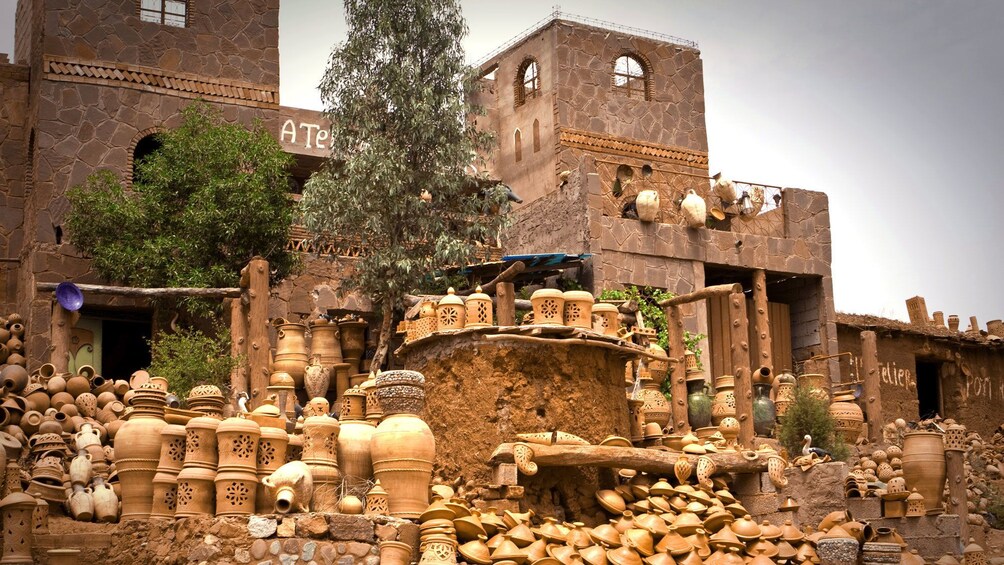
x=633, y=148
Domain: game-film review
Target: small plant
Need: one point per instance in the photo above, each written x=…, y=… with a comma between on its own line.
x=809, y=415
x=190, y=358
x=995, y=508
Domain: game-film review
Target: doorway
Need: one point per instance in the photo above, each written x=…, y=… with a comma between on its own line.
x=929, y=388
x=114, y=342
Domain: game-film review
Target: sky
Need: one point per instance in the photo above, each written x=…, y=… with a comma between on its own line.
x=894, y=109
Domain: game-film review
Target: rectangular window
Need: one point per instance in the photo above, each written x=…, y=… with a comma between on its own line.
x=167, y=12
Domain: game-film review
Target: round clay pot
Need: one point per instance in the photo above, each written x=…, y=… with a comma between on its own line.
x=77, y=385
x=30, y=422
x=13, y=378
x=647, y=203
x=37, y=397
x=120, y=387
x=924, y=466
x=55, y=384
x=64, y=402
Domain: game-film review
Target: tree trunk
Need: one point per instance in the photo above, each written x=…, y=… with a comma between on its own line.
x=383, y=345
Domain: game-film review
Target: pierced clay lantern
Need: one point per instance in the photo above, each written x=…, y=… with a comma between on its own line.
x=353, y=404
x=272, y=447
x=320, y=453
x=605, y=319
x=376, y=501
x=578, y=310
x=915, y=504
x=450, y=312
x=17, y=509
x=237, y=480
x=427, y=320
x=548, y=307
x=478, y=310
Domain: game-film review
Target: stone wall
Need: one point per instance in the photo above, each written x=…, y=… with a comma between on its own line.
x=14, y=148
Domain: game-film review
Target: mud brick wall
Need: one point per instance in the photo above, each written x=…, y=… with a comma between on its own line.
x=14, y=149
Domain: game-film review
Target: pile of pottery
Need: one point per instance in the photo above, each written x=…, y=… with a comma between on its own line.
x=12, y=340
x=878, y=474
x=983, y=465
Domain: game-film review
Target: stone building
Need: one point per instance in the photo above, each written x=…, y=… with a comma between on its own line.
x=585, y=118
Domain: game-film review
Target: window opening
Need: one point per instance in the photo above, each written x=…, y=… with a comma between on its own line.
x=518, y=143
x=928, y=389
x=630, y=77
x=168, y=12
x=536, y=136
x=527, y=81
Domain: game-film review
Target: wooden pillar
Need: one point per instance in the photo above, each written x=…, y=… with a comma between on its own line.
x=762, y=320
x=872, y=385
x=505, y=304
x=957, y=504
x=739, y=330
x=258, y=344
x=677, y=370
x=59, y=336
x=238, y=346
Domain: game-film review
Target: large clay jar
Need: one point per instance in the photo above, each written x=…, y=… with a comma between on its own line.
x=764, y=413
x=647, y=203
x=817, y=384
x=548, y=307
x=324, y=342
x=698, y=403
x=272, y=446
x=316, y=378
x=77, y=385
x=403, y=447
x=237, y=471
x=848, y=417
x=924, y=466
x=724, y=404
x=137, y=451
x=291, y=486
x=695, y=210
x=320, y=453
x=354, y=458
x=290, y=349
x=450, y=312
x=353, y=339
x=578, y=310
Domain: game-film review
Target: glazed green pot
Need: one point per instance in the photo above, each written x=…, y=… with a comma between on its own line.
x=698, y=404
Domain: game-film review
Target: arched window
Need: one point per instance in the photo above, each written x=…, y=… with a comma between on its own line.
x=536, y=136
x=631, y=77
x=145, y=144
x=527, y=81
x=517, y=139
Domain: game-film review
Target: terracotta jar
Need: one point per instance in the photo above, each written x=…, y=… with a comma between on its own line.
x=81, y=469
x=324, y=342
x=924, y=466
x=291, y=487
x=395, y=553
x=339, y=381
x=272, y=447
x=848, y=417
x=647, y=203
x=764, y=413
x=548, y=307
x=353, y=339
x=636, y=416
x=290, y=349
x=56, y=384
x=724, y=405
x=37, y=397
x=320, y=453
x=403, y=447
x=605, y=319
x=656, y=408
x=235, y=493
x=316, y=378
x=354, y=458
x=137, y=451
x=785, y=396
x=106, y=503
x=450, y=312
x=196, y=492
x=373, y=411
x=478, y=310
x=81, y=504
x=699, y=404
x=578, y=309
x=817, y=384
x=694, y=209
x=16, y=510
x=77, y=385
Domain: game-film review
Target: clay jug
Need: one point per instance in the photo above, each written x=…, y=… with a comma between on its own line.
x=81, y=468
x=316, y=378
x=698, y=403
x=403, y=447
x=137, y=451
x=291, y=486
x=764, y=413
x=848, y=417
x=106, y=504
x=724, y=405
x=695, y=211
x=81, y=504
x=924, y=466
x=354, y=458
x=647, y=205
x=290, y=350
x=88, y=435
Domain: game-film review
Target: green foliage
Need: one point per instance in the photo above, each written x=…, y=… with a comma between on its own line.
x=208, y=200
x=189, y=358
x=810, y=415
x=396, y=94
x=995, y=508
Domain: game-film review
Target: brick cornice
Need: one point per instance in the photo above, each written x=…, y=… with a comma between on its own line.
x=185, y=85
x=610, y=144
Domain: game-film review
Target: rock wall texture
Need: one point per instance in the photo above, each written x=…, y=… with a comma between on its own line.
x=14, y=165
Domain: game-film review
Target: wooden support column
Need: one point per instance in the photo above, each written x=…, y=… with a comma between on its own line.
x=59, y=336
x=739, y=330
x=956, y=473
x=238, y=346
x=762, y=320
x=872, y=385
x=677, y=370
x=505, y=307
x=258, y=344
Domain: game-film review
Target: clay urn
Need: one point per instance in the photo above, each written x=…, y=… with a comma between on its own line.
x=647, y=204
x=694, y=209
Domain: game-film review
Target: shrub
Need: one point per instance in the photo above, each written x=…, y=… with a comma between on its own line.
x=190, y=358
x=810, y=415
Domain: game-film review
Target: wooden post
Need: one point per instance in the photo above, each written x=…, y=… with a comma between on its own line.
x=258, y=344
x=739, y=330
x=762, y=320
x=238, y=346
x=59, y=336
x=955, y=471
x=505, y=306
x=677, y=370
x=872, y=386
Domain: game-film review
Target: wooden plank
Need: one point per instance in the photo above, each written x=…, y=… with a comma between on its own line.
x=147, y=292
x=761, y=321
x=701, y=294
x=872, y=385
x=741, y=367
x=258, y=344
x=639, y=459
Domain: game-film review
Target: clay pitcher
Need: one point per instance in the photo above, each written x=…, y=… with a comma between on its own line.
x=81, y=504
x=647, y=205
x=316, y=378
x=290, y=350
x=291, y=486
x=924, y=466
x=81, y=468
x=695, y=210
x=106, y=504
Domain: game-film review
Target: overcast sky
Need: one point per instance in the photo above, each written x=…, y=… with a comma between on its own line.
x=892, y=108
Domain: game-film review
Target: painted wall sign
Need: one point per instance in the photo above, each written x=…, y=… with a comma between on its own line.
x=310, y=136
x=889, y=372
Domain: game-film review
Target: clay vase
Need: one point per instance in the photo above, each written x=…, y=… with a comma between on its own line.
x=817, y=385
x=290, y=350
x=395, y=553
x=924, y=466
x=137, y=451
x=694, y=209
x=848, y=417
x=353, y=339
x=354, y=459
x=316, y=378
x=548, y=307
x=764, y=413
x=291, y=486
x=81, y=504
x=647, y=204
x=724, y=404
x=81, y=469
x=698, y=403
x=403, y=447
x=13, y=378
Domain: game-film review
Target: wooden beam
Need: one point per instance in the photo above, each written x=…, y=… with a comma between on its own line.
x=872, y=385
x=411, y=300
x=739, y=332
x=148, y=292
x=702, y=294
x=639, y=459
x=505, y=305
x=59, y=337
x=238, y=347
x=677, y=371
x=258, y=344
x=506, y=276
x=762, y=320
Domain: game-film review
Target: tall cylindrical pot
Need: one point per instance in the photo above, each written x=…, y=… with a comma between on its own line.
x=137, y=452
x=354, y=458
x=924, y=466
x=290, y=350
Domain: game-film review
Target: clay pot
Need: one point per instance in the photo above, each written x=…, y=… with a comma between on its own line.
x=272, y=448
x=55, y=423
x=605, y=319
x=694, y=209
x=578, y=309
x=13, y=378
x=138, y=379
x=235, y=493
x=350, y=504
x=764, y=413
x=648, y=205
x=478, y=310
x=200, y=443
x=30, y=422
x=106, y=504
x=848, y=416
x=353, y=337
x=290, y=350
x=137, y=450
x=924, y=466
x=291, y=486
x=817, y=384
x=396, y=553
x=120, y=388
x=63, y=401
x=548, y=307
x=237, y=445
x=699, y=404
x=320, y=453
x=15, y=345
x=724, y=404
x=81, y=504
x=55, y=384
x=354, y=459
x=316, y=378
x=77, y=385
x=37, y=397
x=100, y=384
x=656, y=408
